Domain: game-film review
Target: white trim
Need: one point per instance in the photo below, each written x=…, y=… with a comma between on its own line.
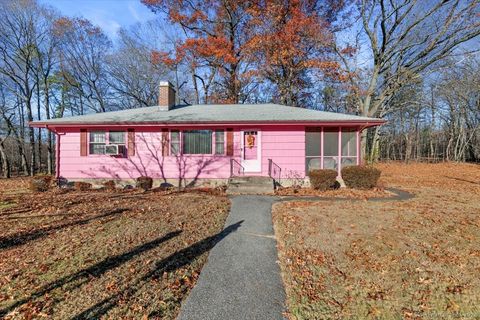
x=252, y=165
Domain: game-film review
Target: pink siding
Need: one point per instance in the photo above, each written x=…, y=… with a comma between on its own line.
x=148, y=160
x=284, y=144
x=286, y=147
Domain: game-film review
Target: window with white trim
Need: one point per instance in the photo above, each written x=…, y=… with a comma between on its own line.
x=97, y=142
x=220, y=142
x=175, y=142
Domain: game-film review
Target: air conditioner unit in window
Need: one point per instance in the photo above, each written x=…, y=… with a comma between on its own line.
x=111, y=150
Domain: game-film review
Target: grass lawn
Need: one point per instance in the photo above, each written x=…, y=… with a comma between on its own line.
x=417, y=259
x=99, y=254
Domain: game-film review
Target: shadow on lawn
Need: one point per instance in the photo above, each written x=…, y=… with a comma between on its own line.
x=463, y=180
x=21, y=238
x=95, y=270
x=168, y=264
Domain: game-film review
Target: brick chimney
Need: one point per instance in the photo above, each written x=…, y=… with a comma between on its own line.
x=166, y=96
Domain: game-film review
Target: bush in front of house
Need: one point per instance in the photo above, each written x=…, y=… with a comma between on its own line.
x=40, y=183
x=82, y=186
x=144, y=183
x=109, y=185
x=323, y=179
x=360, y=177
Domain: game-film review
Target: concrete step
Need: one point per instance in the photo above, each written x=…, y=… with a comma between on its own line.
x=250, y=185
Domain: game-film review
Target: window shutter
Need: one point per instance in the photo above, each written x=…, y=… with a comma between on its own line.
x=230, y=142
x=165, y=142
x=83, y=142
x=131, y=142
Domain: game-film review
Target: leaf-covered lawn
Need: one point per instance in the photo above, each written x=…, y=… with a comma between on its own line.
x=418, y=259
x=102, y=254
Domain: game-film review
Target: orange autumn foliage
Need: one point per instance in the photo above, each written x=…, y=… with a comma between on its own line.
x=267, y=39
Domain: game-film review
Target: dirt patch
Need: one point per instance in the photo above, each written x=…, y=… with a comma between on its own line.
x=415, y=259
x=99, y=254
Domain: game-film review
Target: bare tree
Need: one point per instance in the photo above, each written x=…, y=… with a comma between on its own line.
x=83, y=49
x=133, y=76
x=405, y=38
x=19, y=36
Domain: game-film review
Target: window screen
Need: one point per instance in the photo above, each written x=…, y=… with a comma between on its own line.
x=175, y=142
x=349, y=143
x=330, y=139
x=219, y=142
x=116, y=137
x=313, y=138
x=197, y=142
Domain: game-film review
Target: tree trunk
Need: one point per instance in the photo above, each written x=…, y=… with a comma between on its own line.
x=375, y=148
x=366, y=109
x=49, y=137
x=195, y=89
x=5, y=164
x=39, y=117
x=31, y=135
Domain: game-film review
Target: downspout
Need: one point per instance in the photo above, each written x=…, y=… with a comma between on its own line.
x=57, y=155
x=57, y=151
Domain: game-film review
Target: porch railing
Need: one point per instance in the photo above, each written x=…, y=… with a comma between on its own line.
x=274, y=172
x=236, y=169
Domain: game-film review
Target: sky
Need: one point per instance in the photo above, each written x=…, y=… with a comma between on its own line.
x=110, y=15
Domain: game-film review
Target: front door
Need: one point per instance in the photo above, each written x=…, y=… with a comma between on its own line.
x=251, y=151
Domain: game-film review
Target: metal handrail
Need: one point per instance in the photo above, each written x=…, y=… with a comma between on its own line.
x=274, y=172
x=237, y=170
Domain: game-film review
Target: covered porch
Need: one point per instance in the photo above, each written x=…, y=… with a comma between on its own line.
x=334, y=148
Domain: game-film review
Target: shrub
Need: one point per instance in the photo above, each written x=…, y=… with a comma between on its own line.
x=144, y=183
x=360, y=177
x=82, y=186
x=40, y=183
x=109, y=185
x=323, y=179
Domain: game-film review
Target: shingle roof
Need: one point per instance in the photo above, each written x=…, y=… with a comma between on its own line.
x=241, y=113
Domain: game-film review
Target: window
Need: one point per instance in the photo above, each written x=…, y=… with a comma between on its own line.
x=97, y=142
x=219, y=142
x=197, y=142
x=116, y=137
x=175, y=142
x=330, y=151
x=313, y=138
x=349, y=148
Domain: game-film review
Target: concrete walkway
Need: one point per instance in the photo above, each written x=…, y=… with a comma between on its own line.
x=241, y=279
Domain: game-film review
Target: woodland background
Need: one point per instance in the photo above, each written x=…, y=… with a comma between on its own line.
x=413, y=63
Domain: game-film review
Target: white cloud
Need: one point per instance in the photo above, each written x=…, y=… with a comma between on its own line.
x=107, y=24
x=133, y=11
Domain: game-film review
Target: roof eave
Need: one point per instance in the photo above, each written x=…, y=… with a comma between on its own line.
x=365, y=123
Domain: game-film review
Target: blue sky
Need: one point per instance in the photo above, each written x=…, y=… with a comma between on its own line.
x=110, y=15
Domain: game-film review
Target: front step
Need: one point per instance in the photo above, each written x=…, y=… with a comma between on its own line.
x=250, y=185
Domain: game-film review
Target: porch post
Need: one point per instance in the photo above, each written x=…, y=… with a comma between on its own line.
x=321, y=147
x=339, y=167
x=358, y=145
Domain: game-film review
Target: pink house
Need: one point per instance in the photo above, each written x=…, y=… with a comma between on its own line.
x=198, y=143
